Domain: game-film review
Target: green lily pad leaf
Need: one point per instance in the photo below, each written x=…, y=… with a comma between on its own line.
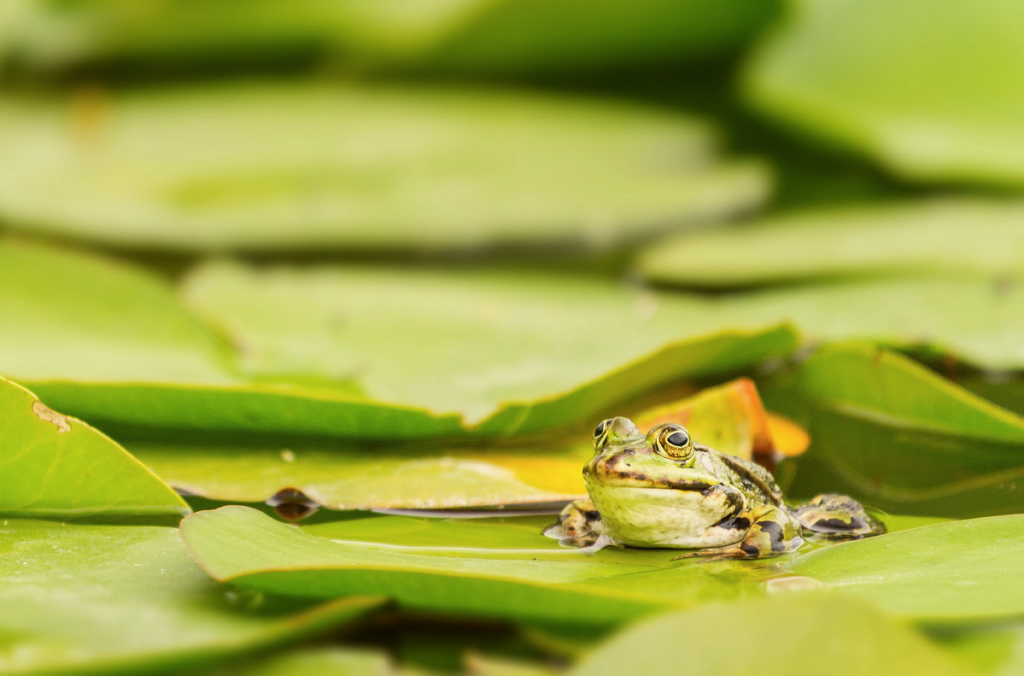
x=359, y=477
x=875, y=78
x=315, y=661
x=932, y=574
x=978, y=322
x=56, y=466
x=954, y=239
x=165, y=369
x=898, y=436
x=108, y=599
x=729, y=418
x=856, y=640
x=301, y=166
x=477, y=35
x=249, y=549
x=513, y=353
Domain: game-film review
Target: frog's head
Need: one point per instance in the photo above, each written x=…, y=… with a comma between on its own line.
x=660, y=489
x=664, y=458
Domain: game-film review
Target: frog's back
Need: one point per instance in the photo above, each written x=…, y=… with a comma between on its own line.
x=754, y=481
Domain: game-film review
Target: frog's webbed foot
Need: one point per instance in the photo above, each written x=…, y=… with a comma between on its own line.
x=772, y=532
x=579, y=525
x=837, y=517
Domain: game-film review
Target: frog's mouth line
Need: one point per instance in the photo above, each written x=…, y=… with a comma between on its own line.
x=641, y=480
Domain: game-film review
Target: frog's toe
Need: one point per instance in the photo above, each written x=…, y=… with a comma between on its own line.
x=578, y=525
x=838, y=517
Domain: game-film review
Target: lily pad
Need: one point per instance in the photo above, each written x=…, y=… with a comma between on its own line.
x=56, y=466
x=875, y=77
x=318, y=661
x=111, y=599
x=513, y=353
x=730, y=418
x=165, y=369
x=955, y=239
x=313, y=167
x=543, y=583
x=900, y=437
x=957, y=572
x=975, y=321
x=856, y=640
x=475, y=35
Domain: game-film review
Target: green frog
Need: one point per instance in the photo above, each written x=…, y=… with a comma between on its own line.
x=663, y=490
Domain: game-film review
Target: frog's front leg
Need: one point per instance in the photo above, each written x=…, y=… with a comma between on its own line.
x=579, y=525
x=773, y=531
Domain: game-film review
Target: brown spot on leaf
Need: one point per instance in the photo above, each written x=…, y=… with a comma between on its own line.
x=44, y=413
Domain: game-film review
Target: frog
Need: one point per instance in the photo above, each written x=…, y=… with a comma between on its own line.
x=663, y=490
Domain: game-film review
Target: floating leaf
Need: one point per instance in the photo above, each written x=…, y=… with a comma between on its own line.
x=979, y=322
x=359, y=477
x=107, y=599
x=477, y=35
x=315, y=661
x=54, y=465
x=962, y=571
x=543, y=583
x=529, y=351
x=874, y=77
x=302, y=166
x=954, y=239
x=856, y=640
x=730, y=418
x=900, y=437
x=165, y=369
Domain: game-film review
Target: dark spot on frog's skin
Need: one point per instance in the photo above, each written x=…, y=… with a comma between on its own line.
x=739, y=523
x=774, y=533
x=855, y=523
x=750, y=550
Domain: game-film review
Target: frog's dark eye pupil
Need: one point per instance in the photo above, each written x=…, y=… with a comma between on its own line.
x=679, y=439
x=600, y=429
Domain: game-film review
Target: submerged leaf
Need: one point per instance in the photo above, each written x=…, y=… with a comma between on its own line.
x=962, y=571
x=56, y=466
x=302, y=166
x=933, y=100
x=954, y=239
x=110, y=599
x=851, y=637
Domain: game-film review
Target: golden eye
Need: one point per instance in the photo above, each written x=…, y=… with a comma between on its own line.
x=673, y=441
x=601, y=432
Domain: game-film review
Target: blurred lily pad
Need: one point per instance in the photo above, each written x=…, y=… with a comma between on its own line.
x=513, y=353
x=544, y=583
x=314, y=662
x=877, y=78
x=277, y=166
x=64, y=333
x=975, y=321
x=956, y=572
x=113, y=599
x=898, y=436
x=955, y=239
x=56, y=466
x=870, y=643
x=730, y=418
x=464, y=35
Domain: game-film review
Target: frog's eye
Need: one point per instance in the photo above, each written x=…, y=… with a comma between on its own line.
x=673, y=441
x=601, y=431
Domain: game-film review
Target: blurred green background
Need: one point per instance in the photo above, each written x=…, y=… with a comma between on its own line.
x=323, y=257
